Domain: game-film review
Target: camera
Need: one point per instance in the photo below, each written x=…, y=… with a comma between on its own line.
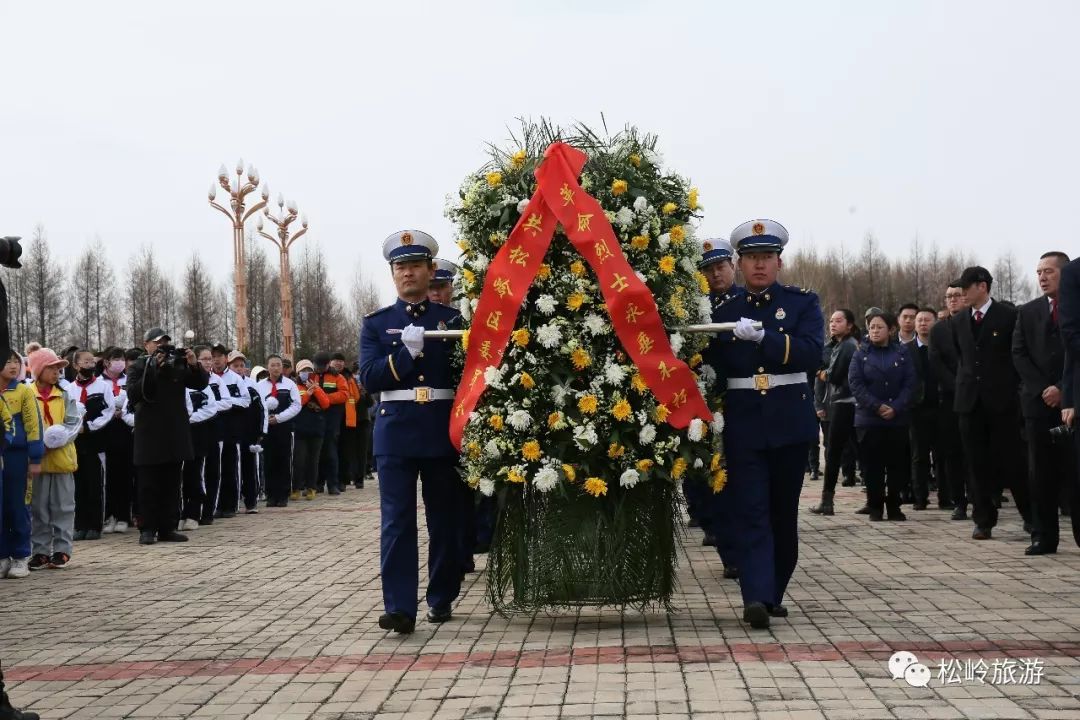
x=175, y=357
x=10, y=251
x=1061, y=434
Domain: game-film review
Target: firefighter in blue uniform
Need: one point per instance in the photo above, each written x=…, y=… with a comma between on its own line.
x=769, y=414
x=416, y=388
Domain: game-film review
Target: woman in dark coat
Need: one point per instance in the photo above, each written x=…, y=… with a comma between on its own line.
x=839, y=403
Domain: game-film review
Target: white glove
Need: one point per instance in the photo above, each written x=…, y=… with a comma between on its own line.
x=412, y=337
x=270, y=403
x=744, y=330
x=255, y=449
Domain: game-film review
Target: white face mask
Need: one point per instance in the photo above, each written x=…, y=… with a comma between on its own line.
x=116, y=367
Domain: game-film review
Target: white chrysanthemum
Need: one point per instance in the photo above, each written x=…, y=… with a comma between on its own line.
x=676, y=342
x=558, y=394
x=698, y=463
x=549, y=335
x=614, y=374
x=629, y=478
x=546, y=479
x=641, y=276
x=688, y=265
x=641, y=204
x=707, y=374
x=664, y=241
x=487, y=487
x=480, y=263
x=493, y=377
x=696, y=431
x=647, y=435
x=642, y=417
x=624, y=217
x=545, y=304
x=491, y=448
x=472, y=305
x=595, y=324
x=585, y=436
x=704, y=308
x=520, y=420
x=522, y=205
x=717, y=423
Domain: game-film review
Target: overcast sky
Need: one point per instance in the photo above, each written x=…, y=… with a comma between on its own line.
x=954, y=120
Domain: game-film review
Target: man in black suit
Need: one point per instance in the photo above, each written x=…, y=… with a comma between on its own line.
x=923, y=432
x=951, y=467
x=987, y=399
x=1069, y=324
x=1039, y=356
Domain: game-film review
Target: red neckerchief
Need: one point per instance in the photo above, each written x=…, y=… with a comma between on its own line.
x=45, y=403
x=79, y=383
x=115, y=385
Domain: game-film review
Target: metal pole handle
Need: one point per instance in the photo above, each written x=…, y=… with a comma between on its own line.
x=704, y=328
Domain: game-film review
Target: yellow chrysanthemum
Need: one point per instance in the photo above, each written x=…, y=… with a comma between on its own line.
x=473, y=481
x=465, y=339
x=678, y=468
x=692, y=199
x=515, y=476
x=638, y=383
x=571, y=474
x=544, y=272
x=496, y=422
x=622, y=410
x=520, y=337
x=676, y=304
x=581, y=359
x=695, y=359
x=660, y=414
x=595, y=487
x=677, y=234
x=577, y=268
x=463, y=244
x=639, y=242
x=469, y=276
x=667, y=264
x=575, y=301
x=587, y=404
x=615, y=450
x=473, y=448
x=719, y=480
x=702, y=281
x=669, y=208
x=714, y=464
x=527, y=381
x=531, y=450
x=554, y=419
x=497, y=239
x=618, y=187
x=517, y=160
x=644, y=465
x=635, y=160
x=494, y=179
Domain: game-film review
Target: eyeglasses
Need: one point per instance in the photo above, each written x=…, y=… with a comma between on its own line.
x=953, y=296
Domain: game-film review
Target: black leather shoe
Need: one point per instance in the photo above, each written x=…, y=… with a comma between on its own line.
x=731, y=572
x=398, y=622
x=481, y=548
x=777, y=610
x=693, y=523
x=147, y=537
x=918, y=506
x=1028, y=528
x=946, y=506
x=823, y=509
x=875, y=516
x=897, y=515
x=8, y=712
x=439, y=616
x=1040, y=549
x=815, y=474
x=757, y=615
x=864, y=510
x=848, y=482
x=709, y=540
x=982, y=534
x=208, y=520
x=959, y=514
x=171, y=536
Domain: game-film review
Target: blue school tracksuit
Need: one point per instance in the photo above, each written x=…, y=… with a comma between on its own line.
x=19, y=454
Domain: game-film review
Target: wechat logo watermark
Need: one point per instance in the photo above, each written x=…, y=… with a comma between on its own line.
x=905, y=666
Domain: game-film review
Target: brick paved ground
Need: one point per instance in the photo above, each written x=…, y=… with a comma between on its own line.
x=274, y=616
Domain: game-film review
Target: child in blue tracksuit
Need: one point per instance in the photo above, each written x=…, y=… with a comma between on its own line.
x=22, y=454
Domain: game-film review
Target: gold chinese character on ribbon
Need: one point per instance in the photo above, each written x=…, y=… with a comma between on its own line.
x=477, y=374
x=534, y=223
x=679, y=398
x=665, y=371
x=460, y=409
x=493, y=319
x=519, y=256
x=485, y=350
x=633, y=312
x=567, y=194
x=620, y=283
x=644, y=342
x=603, y=252
x=502, y=286
x=583, y=220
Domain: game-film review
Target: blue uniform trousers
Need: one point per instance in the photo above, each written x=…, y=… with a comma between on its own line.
x=718, y=519
x=441, y=489
x=14, y=512
x=764, y=487
x=698, y=502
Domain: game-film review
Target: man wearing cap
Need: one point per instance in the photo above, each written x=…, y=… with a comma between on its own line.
x=769, y=414
x=988, y=400
x=412, y=434
x=157, y=388
x=706, y=508
x=441, y=289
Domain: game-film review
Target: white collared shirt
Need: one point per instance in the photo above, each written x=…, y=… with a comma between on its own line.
x=919, y=343
x=982, y=309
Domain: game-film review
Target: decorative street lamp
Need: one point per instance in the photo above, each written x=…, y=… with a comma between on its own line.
x=287, y=213
x=237, y=192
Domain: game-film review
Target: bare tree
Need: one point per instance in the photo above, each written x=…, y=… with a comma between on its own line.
x=44, y=291
x=198, y=300
x=1010, y=284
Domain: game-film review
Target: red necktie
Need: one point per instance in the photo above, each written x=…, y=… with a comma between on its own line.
x=978, y=316
x=115, y=387
x=273, y=388
x=83, y=398
x=1054, y=311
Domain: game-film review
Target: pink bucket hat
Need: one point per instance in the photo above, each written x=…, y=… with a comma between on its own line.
x=43, y=358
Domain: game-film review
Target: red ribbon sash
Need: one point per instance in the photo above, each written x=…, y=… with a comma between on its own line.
x=560, y=199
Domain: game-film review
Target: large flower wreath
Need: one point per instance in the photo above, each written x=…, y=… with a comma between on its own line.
x=567, y=434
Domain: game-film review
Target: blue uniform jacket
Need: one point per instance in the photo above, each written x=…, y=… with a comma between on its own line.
x=882, y=376
x=793, y=342
x=409, y=428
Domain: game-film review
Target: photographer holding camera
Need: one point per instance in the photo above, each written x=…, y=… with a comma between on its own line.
x=157, y=388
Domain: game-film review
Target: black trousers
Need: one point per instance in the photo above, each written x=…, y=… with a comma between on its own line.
x=348, y=456
x=1051, y=467
x=841, y=430
x=119, y=471
x=950, y=465
x=249, y=473
x=923, y=434
x=363, y=450
x=884, y=453
x=159, y=496
x=813, y=460
x=194, y=492
x=212, y=477
x=306, y=451
x=89, y=490
x=992, y=447
x=278, y=454
x=229, y=491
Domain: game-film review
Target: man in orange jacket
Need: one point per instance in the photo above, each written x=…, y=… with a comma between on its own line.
x=330, y=379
